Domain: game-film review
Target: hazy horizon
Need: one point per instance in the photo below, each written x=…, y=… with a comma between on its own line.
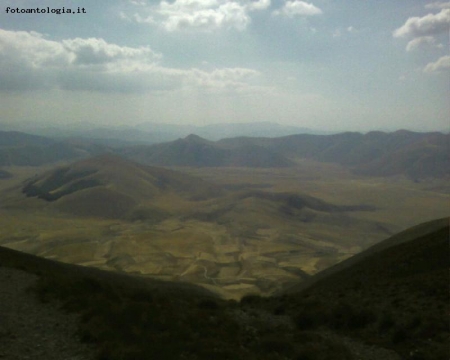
x=356, y=66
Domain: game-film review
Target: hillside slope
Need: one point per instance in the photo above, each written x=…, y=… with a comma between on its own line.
x=394, y=294
x=405, y=237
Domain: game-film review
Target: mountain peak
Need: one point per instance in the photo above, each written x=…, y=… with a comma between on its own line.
x=195, y=138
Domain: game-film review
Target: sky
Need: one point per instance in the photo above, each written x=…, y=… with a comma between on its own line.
x=348, y=65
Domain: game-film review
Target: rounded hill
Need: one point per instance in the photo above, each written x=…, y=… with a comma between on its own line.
x=112, y=187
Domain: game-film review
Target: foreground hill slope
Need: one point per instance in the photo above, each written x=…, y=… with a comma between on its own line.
x=407, y=237
x=394, y=294
x=396, y=299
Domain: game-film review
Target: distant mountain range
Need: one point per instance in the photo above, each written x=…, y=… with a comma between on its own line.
x=21, y=149
x=416, y=155
x=198, y=152
x=153, y=132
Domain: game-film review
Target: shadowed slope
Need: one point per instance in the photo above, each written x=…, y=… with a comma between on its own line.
x=394, y=294
x=375, y=252
x=397, y=298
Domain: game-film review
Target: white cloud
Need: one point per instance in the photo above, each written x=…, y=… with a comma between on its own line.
x=92, y=51
x=297, y=7
x=442, y=64
x=259, y=5
x=229, y=15
x=30, y=61
x=423, y=42
x=424, y=32
x=204, y=15
x=430, y=24
x=438, y=5
x=32, y=50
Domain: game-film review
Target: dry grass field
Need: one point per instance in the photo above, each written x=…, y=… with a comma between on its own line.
x=241, y=242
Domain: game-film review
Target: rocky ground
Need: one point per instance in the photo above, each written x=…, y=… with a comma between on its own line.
x=30, y=329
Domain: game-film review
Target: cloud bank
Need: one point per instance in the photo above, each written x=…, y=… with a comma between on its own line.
x=29, y=61
x=210, y=15
x=205, y=15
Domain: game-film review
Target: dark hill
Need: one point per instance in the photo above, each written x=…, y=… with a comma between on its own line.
x=198, y=152
x=394, y=294
x=109, y=186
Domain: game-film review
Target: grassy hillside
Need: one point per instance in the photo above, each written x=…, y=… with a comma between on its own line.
x=111, y=187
